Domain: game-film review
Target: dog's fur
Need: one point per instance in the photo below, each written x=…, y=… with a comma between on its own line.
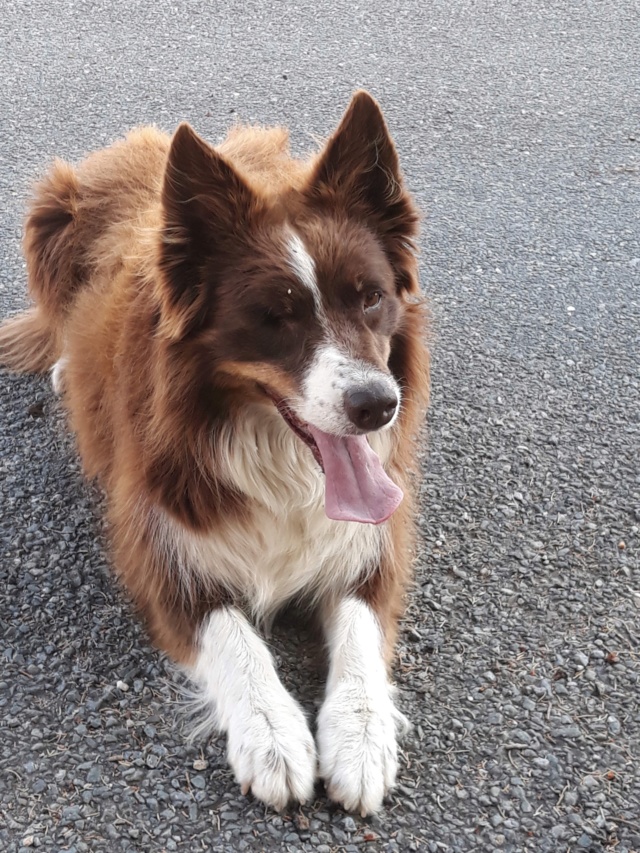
x=183, y=295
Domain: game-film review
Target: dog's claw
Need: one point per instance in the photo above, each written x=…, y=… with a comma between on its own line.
x=245, y=788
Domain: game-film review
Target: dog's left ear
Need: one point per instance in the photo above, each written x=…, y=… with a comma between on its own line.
x=359, y=171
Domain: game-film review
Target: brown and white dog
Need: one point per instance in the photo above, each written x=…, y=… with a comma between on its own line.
x=239, y=339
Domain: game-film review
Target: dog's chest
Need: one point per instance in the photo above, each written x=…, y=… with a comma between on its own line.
x=284, y=546
x=271, y=558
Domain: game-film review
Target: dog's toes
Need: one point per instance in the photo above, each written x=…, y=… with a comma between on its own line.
x=358, y=748
x=273, y=754
x=285, y=779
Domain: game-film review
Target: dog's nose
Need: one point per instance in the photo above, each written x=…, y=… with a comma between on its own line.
x=370, y=408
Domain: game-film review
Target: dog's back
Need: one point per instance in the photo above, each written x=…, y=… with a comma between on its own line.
x=77, y=224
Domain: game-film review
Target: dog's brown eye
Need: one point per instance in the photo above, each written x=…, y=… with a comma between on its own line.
x=272, y=319
x=372, y=300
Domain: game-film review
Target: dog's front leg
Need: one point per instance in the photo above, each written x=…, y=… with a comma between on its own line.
x=270, y=747
x=358, y=723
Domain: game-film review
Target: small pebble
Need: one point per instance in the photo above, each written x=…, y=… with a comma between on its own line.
x=95, y=774
x=613, y=724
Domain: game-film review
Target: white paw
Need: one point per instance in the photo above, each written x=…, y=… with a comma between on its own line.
x=357, y=742
x=271, y=750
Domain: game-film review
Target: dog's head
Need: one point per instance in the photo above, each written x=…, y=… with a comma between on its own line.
x=300, y=295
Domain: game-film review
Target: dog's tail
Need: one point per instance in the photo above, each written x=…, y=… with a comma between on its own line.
x=27, y=343
x=52, y=244
x=30, y=341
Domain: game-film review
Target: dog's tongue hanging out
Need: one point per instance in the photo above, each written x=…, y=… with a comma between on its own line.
x=357, y=486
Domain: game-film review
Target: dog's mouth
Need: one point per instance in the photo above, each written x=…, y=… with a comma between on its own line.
x=300, y=428
x=357, y=488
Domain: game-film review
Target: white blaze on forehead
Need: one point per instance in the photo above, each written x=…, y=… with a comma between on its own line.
x=303, y=266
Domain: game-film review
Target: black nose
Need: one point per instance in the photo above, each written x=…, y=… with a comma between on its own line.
x=370, y=408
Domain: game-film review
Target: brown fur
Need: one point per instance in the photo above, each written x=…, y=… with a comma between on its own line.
x=145, y=300
x=27, y=343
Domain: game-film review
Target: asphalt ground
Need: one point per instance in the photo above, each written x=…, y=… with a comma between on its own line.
x=518, y=126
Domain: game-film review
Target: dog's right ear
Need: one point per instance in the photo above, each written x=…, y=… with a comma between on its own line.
x=206, y=208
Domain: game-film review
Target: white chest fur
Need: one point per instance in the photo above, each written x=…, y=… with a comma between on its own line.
x=285, y=546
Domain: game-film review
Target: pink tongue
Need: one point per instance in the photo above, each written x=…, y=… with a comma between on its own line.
x=357, y=487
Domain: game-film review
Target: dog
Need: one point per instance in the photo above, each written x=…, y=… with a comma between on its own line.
x=239, y=339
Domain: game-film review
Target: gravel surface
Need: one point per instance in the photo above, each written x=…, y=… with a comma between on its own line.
x=519, y=130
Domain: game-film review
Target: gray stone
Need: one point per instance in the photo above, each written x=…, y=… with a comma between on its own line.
x=349, y=824
x=95, y=774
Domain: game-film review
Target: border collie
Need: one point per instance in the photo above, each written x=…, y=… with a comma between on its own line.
x=239, y=340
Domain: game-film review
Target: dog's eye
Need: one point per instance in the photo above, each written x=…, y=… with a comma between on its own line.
x=272, y=319
x=372, y=300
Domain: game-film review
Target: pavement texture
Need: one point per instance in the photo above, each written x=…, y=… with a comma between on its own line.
x=519, y=132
